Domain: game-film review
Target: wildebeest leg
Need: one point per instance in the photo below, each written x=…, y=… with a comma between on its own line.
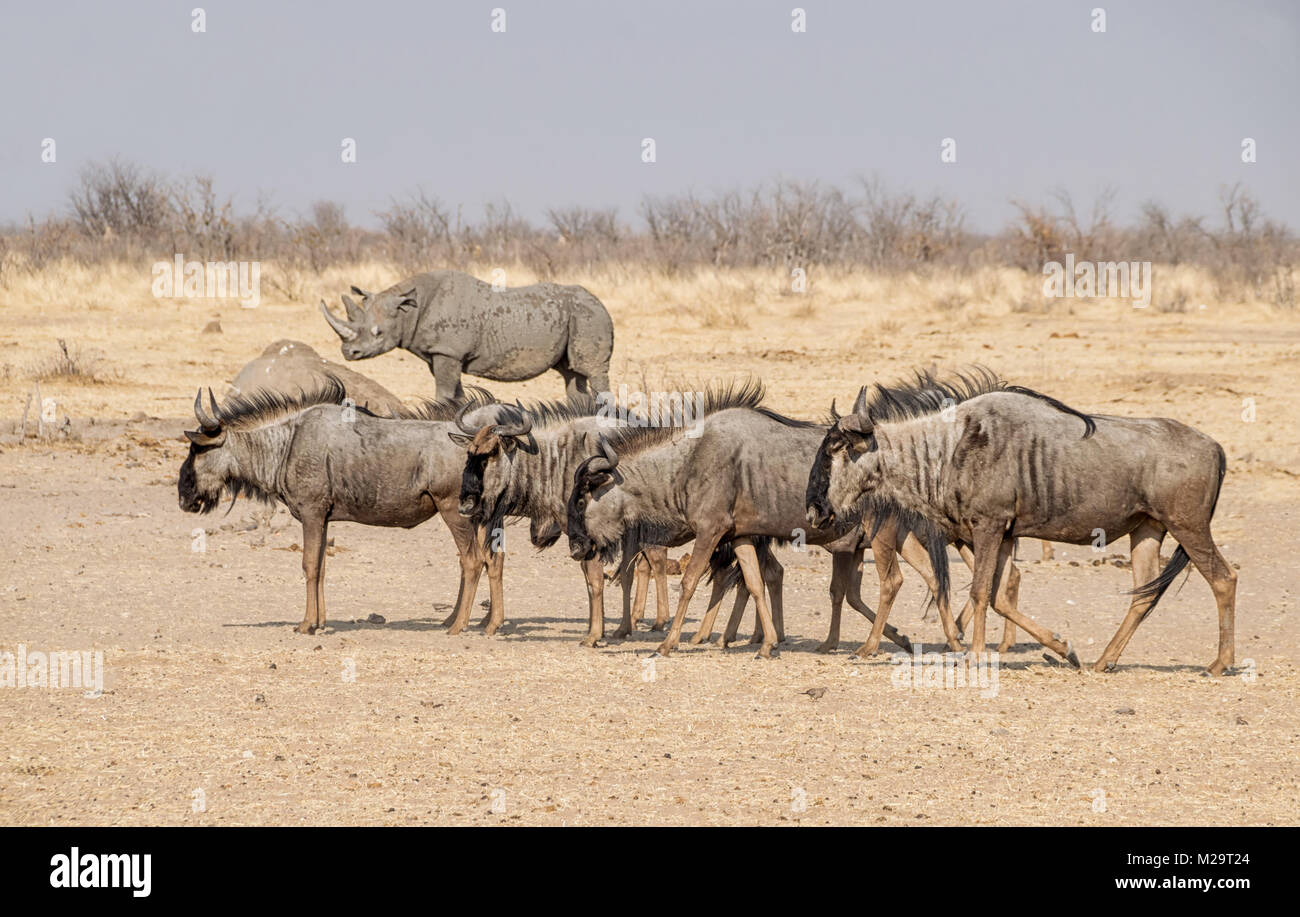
x=313, y=564
x=884, y=550
x=1000, y=602
x=472, y=563
x=705, y=543
x=737, y=616
x=748, y=558
x=1040, y=633
x=1200, y=547
x=446, y=371
x=774, y=578
x=1007, y=597
x=496, y=616
x=658, y=557
x=710, y=615
x=595, y=575
x=1048, y=552
x=840, y=561
x=1144, y=557
x=635, y=580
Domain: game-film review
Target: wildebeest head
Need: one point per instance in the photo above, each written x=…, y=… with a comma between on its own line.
x=205, y=470
x=846, y=466
x=487, y=450
x=595, y=472
x=375, y=325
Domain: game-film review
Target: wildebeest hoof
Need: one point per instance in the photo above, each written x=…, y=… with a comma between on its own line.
x=305, y=628
x=1103, y=666
x=659, y=626
x=828, y=647
x=1072, y=657
x=767, y=651
x=593, y=642
x=903, y=644
x=621, y=634
x=665, y=648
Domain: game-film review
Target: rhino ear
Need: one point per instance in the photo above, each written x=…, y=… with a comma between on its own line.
x=360, y=292
x=406, y=300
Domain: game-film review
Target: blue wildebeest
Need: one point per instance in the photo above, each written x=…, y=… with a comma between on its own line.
x=986, y=461
x=523, y=465
x=327, y=462
x=742, y=478
x=456, y=323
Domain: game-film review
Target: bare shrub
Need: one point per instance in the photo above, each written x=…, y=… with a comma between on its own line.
x=72, y=363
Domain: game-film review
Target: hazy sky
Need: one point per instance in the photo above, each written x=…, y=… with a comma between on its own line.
x=552, y=112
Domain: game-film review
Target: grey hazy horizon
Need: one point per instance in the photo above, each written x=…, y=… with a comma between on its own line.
x=552, y=112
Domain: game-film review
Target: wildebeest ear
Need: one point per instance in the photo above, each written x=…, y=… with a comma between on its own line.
x=199, y=438
x=407, y=300
x=459, y=439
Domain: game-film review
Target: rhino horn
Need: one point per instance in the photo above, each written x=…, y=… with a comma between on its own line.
x=205, y=422
x=354, y=311
x=341, y=328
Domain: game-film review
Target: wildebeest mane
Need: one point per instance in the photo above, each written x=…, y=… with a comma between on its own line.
x=446, y=408
x=244, y=412
x=629, y=440
x=926, y=393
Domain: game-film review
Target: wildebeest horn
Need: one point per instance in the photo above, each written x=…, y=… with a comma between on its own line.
x=860, y=406
x=212, y=400
x=342, y=329
x=205, y=422
x=520, y=429
x=607, y=460
x=461, y=424
x=835, y=415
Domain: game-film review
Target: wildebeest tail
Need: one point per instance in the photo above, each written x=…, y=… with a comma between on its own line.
x=725, y=568
x=1178, y=563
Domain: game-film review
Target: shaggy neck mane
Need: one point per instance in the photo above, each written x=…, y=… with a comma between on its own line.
x=629, y=440
x=249, y=412
x=446, y=408
x=926, y=394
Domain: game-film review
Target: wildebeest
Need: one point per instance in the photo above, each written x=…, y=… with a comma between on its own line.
x=327, y=462
x=741, y=478
x=457, y=323
x=292, y=367
x=986, y=461
x=522, y=465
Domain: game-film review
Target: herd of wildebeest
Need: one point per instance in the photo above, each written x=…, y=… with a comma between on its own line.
x=965, y=460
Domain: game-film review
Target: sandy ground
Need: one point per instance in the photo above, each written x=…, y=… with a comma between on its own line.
x=216, y=712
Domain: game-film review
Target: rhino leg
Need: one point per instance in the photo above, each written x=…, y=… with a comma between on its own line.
x=575, y=383
x=446, y=370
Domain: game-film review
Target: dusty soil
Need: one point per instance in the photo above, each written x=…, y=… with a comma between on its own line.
x=208, y=689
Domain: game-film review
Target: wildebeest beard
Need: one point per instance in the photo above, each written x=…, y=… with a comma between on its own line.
x=192, y=500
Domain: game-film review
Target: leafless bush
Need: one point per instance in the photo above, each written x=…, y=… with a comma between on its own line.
x=72, y=362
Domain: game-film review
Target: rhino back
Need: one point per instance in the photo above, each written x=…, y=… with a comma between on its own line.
x=288, y=366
